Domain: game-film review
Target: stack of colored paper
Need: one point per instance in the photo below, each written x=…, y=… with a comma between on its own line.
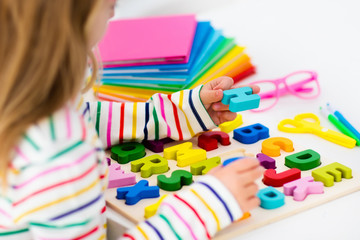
x=165, y=54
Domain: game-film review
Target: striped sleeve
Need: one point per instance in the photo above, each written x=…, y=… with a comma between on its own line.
x=63, y=196
x=56, y=190
x=198, y=212
x=178, y=116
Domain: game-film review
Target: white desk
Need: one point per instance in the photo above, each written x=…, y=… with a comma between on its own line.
x=283, y=36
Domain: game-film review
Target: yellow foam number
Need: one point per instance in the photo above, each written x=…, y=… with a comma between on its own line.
x=272, y=146
x=152, y=209
x=231, y=125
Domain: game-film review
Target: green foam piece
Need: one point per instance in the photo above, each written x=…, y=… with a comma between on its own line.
x=178, y=179
x=330, y=173
x=126, y=152
x=150, y=165
x=304, y=160
x=203, y=167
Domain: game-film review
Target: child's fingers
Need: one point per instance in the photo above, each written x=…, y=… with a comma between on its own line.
x=255, y=88
x=223, y=83
x=250, y=176
x=215, y=169
x=251, y=190
x=251, y=203
x=220, y=107
x=226, y=116
x=210, y=96
x=245, y=164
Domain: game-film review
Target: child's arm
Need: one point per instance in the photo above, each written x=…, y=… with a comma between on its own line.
x=179, y=116
x=58, y=192
x=209, y=205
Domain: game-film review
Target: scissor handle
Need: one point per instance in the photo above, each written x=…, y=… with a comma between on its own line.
x=304, y=116
x=297, y=126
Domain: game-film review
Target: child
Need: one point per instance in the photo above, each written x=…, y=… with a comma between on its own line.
x=52, y=168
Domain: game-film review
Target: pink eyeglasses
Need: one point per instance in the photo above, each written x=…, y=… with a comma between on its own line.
x=302, y=84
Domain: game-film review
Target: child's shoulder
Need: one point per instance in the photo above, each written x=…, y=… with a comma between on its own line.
x=63, y=130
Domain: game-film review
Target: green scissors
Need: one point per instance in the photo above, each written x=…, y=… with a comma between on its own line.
x=310, y=123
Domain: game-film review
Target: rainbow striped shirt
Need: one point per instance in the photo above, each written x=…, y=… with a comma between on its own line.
x=57, y=178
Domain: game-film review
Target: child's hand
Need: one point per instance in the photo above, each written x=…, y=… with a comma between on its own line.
x=239, y=177
x=211, y=95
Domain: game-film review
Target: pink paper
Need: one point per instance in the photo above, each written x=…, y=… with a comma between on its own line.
x=144, y=41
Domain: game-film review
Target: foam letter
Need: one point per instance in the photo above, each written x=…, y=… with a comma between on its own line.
x=266, y=161
x=329, y=173
x=304, y=160
x=134, y=194
x=126, y=152
x=240, y=99
x=231, y=125
x=152, y=209
x=251, y=134
x=150, y=165
x=270, y=198
x=201, y=168
x=271, y=178
x=118, y=178
x=178, y=179
x=272, y=146
x=302, y=187
x=156, y=146
x=209, y=140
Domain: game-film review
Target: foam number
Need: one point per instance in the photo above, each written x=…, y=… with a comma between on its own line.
x=150, y=165
x=266, y=161
x=209, y=140
x=304, y=160
x=203, y=167
x=271, y=178
x=156, y=146
x=152, y=209
x=302, y=187
x=184, y=154
x=178, y=179
x=270, y=198
x=126, y=152
x=272, y=146
x=134, y=194
x=118, y=178
x=330, y=173
x=240, y=99
x=231, y=125
x=251, y=134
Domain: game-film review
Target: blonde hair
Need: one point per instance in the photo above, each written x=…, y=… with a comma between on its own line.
x=44, y=49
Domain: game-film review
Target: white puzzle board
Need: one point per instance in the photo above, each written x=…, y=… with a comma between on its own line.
x=259, y=216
